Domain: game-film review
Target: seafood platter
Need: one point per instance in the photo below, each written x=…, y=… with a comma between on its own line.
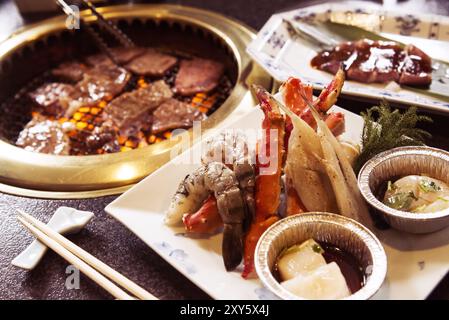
x=302, y=199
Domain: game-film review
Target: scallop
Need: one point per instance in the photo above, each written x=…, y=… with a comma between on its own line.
x=416, y=193
x=325, y=283
x=300, y=260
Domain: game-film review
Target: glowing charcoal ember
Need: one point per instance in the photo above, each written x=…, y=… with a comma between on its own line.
x=203, y=102
x=152, y=139
x=95, y=110
x=167, y=134
x=131, y=144
x=81, y=125
x=142, y=83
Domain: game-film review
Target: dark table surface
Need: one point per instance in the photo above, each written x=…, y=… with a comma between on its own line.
x=106, y=238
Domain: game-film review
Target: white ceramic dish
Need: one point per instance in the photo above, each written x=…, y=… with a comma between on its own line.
x=416, y=263
x=283, y=57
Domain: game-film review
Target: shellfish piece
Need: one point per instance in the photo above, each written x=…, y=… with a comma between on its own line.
x=418, y=194
x=300, y=260
x=326, y=282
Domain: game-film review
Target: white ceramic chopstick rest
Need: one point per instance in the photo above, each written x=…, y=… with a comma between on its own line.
x=65, y=220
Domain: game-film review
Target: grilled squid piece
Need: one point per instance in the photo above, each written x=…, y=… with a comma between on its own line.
x=305, y=169
x=217, y=179
x=295, y=94
x=328, y=160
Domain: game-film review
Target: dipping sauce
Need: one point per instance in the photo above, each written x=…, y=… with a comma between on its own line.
x=349, y=266
x=315, y=270
x=415, y=193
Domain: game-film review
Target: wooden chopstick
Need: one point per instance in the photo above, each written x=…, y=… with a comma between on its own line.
x=88, y=259
x=77, y=262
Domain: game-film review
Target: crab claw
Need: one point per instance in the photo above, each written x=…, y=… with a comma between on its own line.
x=206, y=220
x=328, y=97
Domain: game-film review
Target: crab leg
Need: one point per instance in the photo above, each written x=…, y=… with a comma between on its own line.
x=329, y=95
x=268, y=186
x=206, y=220
x=294, y=90
x=336, y=122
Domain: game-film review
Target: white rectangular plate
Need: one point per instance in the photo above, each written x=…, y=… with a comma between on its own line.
x=415, y=263
x=282, y=56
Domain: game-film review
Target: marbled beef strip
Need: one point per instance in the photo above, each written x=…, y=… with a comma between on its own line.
x=72, y=71
x=123, y=56
x=45, y=136
x=125, y=110
x=101, y=83
x=52, y=99
x=173, y=114
x=198, y=75
x=152, y=63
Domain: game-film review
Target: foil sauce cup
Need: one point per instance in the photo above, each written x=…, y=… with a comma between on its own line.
x=344, y=233
x=397, y=163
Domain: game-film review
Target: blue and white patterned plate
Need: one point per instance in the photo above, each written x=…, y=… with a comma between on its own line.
x=416, y=263
x=283, y=57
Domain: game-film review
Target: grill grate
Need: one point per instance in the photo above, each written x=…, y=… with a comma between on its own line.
x=17, y=110
x=86, y=118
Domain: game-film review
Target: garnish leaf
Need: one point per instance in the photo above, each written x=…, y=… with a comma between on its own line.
x=428, y=186
x=392, y=129
x=299, y=247
x=391, y=186
x=401, y=200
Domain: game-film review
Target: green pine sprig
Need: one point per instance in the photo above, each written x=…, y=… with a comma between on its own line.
x=391, y=129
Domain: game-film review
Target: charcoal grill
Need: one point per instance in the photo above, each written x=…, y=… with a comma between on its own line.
x=30, y=52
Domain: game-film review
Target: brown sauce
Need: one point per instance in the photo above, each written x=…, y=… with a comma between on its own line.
x=349, y=266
